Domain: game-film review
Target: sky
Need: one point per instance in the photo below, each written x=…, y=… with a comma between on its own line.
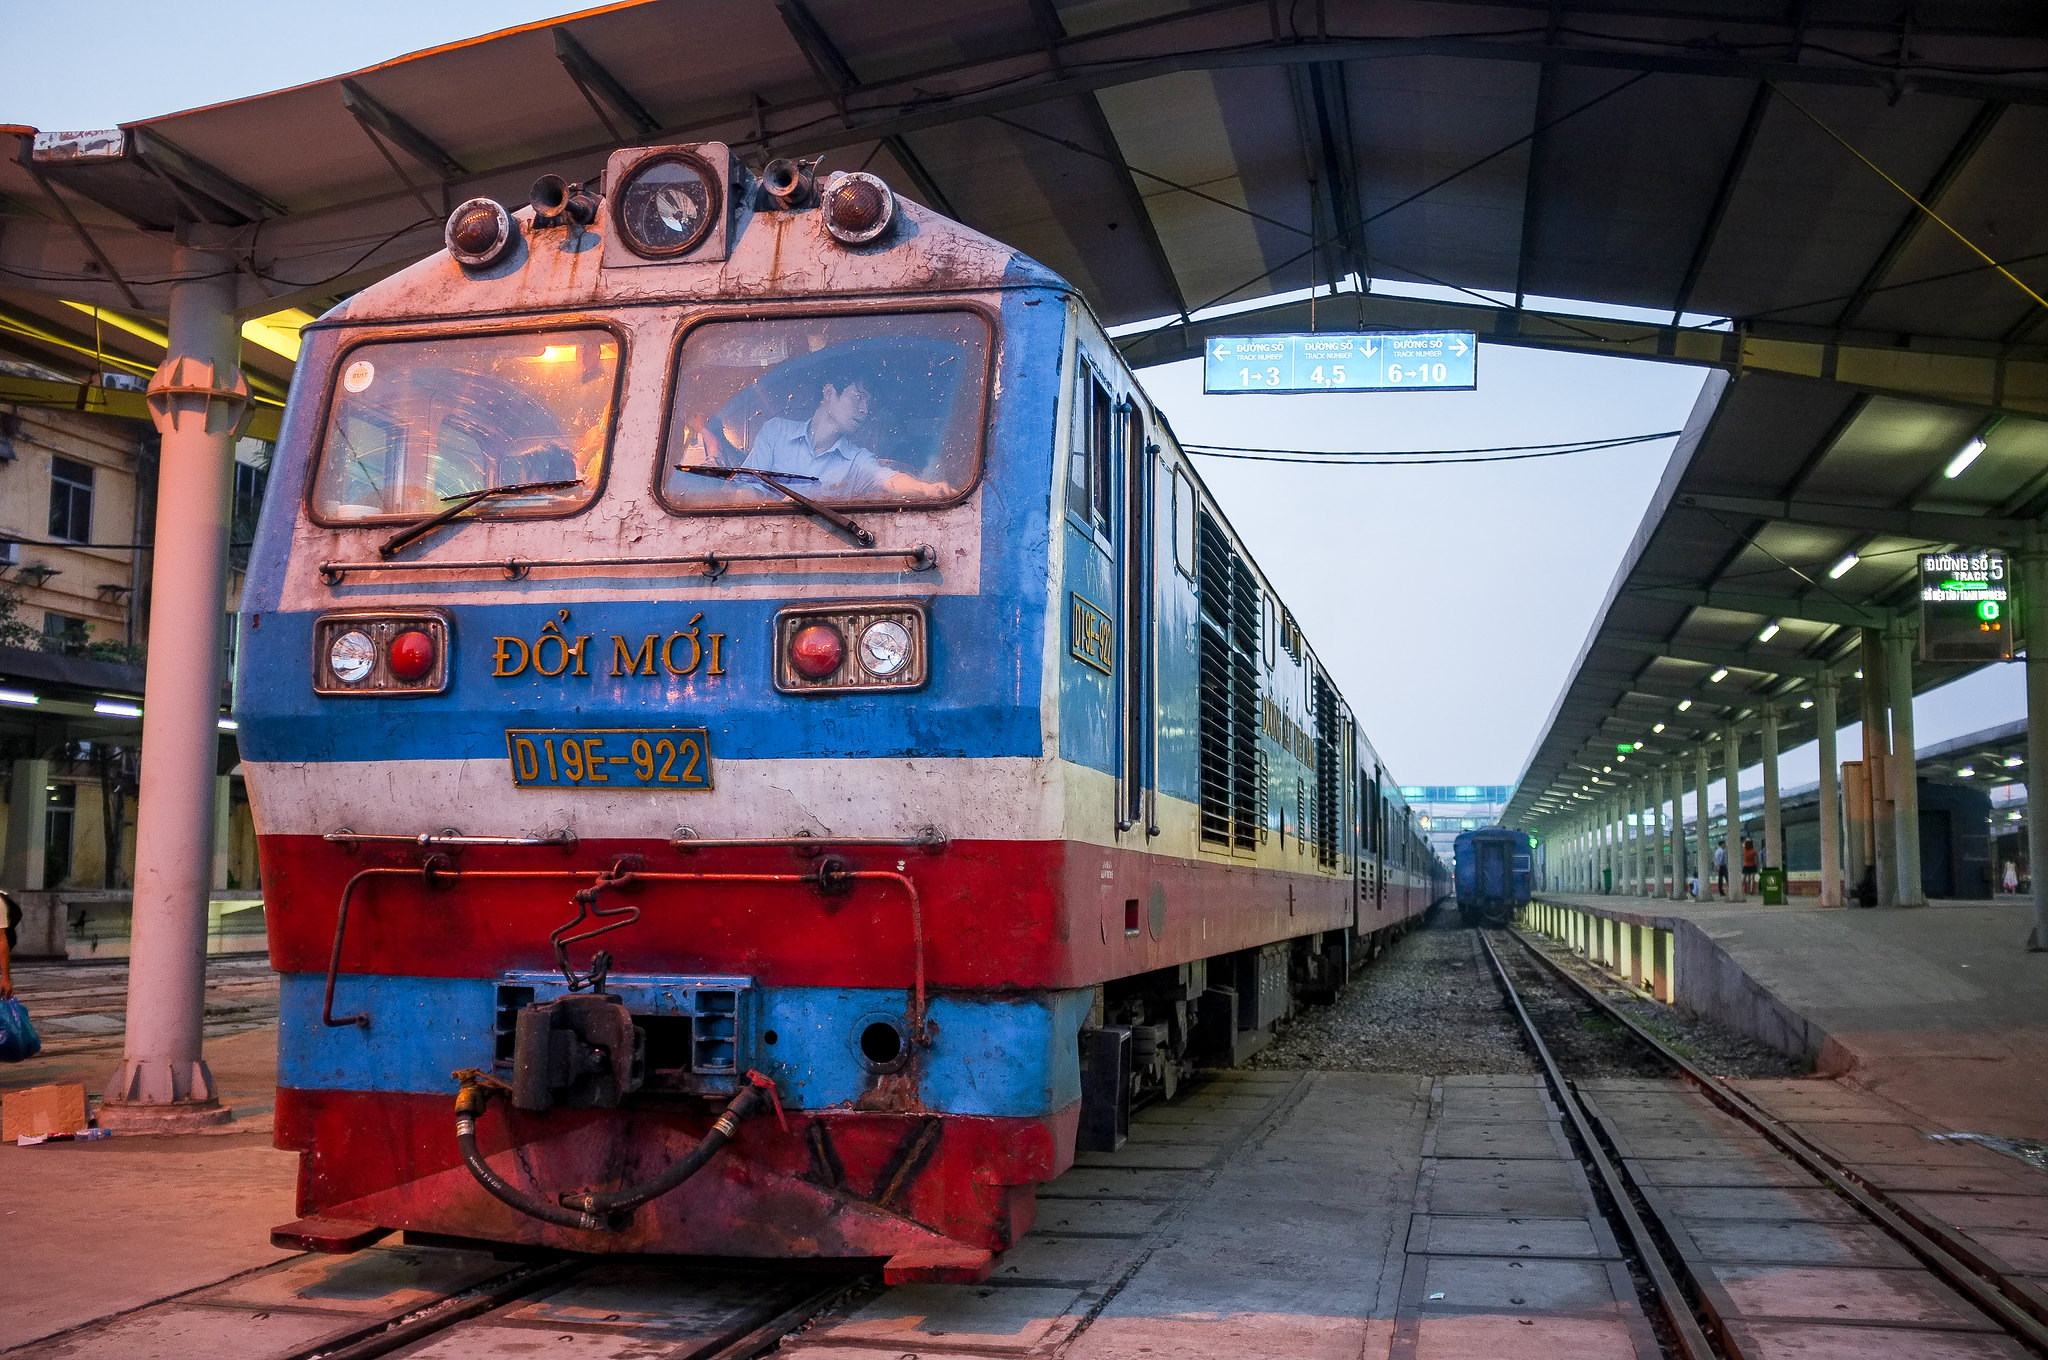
x=1449, y=603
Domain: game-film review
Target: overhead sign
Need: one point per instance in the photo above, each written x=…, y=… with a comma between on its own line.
x=1374, y=361
x=1965, y=607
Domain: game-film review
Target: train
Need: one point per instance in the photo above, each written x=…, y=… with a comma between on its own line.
x=761, y=742
x=1491, y=868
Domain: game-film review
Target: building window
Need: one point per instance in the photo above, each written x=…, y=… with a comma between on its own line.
x=70, y=500
x=57, y=828
x=249, y=483
x=65, y=633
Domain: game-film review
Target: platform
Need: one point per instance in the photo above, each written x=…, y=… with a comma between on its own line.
x=1937, y=1008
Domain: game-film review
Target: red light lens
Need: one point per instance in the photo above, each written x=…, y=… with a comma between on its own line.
x=412, y=655
x=817, y=650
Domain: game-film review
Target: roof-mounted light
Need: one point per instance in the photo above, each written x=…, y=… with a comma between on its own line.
x=858, y=208
x=666, y=204
x=480, y=233
x=1718, y=676
x=1770, y=631
x=1843, y=567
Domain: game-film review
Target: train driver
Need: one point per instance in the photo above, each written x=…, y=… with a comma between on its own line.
x=823, y=446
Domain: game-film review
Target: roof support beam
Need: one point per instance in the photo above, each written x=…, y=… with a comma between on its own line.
x=415, y=143
x=1773, y=606
x=1933, y=371
x=599, y=85
x=1926, y=525
x=197, y=176
x=1322, y=115
x=1546, y=86
x=1724, y=194
x=1952, y=166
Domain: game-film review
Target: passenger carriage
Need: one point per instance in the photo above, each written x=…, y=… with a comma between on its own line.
x=767, y=861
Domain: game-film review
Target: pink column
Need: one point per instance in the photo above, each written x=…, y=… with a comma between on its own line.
x=199, y=400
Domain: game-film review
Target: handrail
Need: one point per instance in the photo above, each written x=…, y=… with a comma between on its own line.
x=923, y=557
x=430, y=840
x=832, y=876
x=929, y=839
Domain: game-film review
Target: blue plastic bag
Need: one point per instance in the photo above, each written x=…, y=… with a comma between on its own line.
x=18, y=1038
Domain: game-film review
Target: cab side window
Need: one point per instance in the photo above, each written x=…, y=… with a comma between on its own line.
x=1089, y=481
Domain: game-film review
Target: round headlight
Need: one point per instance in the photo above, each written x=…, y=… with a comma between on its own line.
x=858, y=208
x=667, y=204
x=885, y=647
x=352, y=656
x=479, y=232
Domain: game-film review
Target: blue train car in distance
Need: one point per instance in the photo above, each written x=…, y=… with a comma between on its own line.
x=1492, y=870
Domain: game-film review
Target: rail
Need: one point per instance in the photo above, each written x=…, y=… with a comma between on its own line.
x=1957, y=1262
x=1691, y=1338
x=922, y=557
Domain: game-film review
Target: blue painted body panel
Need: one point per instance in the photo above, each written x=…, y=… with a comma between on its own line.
x=1014, y=1055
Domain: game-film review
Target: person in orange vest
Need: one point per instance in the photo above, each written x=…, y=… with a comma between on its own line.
x=1748, y=865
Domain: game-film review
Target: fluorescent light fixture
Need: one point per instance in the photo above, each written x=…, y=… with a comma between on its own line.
x=1621, y=757
x=1770, y=631
x=17, y=696
x=1966, y=772
x=2014, y=762
x=1718, y=676
x=114, y=708
x=1656, y=727
x=1806, y=703
x=1843, y=567
x=1607, y=769
x=1859, y=673
x=1684, y=704
x=228, y=725
x=1639, y=746
x=2014, y=816
x=1964, y=457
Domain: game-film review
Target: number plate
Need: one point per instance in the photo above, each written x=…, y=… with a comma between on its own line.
x=609, y=757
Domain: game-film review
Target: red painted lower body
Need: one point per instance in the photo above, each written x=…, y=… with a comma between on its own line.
x=842, y=1183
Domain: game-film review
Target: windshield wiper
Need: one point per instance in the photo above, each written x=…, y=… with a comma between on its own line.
x=464, y=501
x=779, y=481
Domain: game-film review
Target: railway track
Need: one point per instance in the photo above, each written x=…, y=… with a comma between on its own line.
x=1753, y=1240
x=441, y=1302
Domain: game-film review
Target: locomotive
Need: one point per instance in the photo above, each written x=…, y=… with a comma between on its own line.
x=761, y=743
x=1491, y=870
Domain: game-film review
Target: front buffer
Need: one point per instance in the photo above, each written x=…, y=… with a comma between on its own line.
x=837, y=1133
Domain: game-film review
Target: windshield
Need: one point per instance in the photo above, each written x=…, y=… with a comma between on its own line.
x=849, y=410
x=415, y=422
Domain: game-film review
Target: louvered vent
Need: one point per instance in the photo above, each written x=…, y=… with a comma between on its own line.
x=1233, y=796
x=1329, y=746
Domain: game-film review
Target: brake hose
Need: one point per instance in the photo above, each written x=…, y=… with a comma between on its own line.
x=591, y=1210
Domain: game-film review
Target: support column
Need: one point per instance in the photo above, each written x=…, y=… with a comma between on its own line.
x=1825, y=692
x=1774, y=824
x=1632, y=827
x=28, y=825
x=1731, y=755
x=1659, y=856
x=1703, y=850
x=198, y=399
x=2033, y=584
x=1905, y=784
x=1877, y=765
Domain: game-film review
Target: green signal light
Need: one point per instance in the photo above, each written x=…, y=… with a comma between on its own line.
x=1987, y=610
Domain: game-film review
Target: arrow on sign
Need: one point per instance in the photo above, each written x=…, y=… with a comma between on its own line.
x=1372, y=347
x=1458, y=345
x=1223, y=349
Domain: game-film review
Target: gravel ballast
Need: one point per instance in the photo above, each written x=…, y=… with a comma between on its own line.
x=1428, y=1005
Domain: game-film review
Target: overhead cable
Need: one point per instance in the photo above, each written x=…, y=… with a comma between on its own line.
x=1503, y=453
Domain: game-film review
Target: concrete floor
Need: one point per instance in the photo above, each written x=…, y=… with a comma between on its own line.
x=1939, y=1008
x=98, y=1227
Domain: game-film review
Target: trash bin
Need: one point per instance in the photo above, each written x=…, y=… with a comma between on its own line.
x=1607, y=880
x=1771, y=882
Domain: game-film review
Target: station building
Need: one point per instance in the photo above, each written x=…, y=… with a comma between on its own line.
x=77, y=513
x=1445, y=810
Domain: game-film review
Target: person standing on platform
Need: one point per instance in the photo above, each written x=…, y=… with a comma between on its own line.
x=2012, y=877
x=10, y=912
x=1721, y=867
x=1748, y=865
